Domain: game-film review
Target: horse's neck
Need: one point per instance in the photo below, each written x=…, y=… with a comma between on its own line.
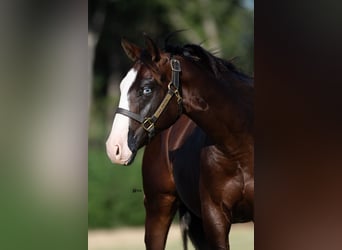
x=224, y=116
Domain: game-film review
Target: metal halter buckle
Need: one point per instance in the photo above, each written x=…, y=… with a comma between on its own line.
x=148, y=124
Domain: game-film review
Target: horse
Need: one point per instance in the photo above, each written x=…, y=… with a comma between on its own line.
x=162, y=85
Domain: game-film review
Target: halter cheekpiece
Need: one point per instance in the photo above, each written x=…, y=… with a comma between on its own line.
x=173, y=90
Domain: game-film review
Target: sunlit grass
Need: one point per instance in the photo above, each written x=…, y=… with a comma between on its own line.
x=241, y=238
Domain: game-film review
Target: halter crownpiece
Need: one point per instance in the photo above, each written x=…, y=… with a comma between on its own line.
x=173, y=90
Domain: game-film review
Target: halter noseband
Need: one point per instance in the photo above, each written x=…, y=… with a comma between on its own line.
x=173, y=89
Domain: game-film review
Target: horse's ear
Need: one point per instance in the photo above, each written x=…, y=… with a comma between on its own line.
x=152, y=48
x=131, y=50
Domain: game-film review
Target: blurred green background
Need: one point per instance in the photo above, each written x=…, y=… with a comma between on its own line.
x=223, y=27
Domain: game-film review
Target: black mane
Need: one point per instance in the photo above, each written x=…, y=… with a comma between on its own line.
x=216, y=65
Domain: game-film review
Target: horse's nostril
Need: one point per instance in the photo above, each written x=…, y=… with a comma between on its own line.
x=117, y=150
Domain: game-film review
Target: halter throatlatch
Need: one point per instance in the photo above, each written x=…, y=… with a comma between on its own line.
x=173, y=90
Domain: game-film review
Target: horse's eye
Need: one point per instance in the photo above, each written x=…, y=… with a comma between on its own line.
x=147, y=90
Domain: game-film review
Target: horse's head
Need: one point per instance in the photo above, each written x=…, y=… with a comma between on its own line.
x=149, y=101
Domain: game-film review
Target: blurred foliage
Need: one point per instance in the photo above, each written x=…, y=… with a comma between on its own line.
x=112, y=200
x=223, y=27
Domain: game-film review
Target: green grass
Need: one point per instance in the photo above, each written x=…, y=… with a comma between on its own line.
x=111, y=201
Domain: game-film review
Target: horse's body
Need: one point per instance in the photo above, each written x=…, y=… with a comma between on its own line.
x=219, y=100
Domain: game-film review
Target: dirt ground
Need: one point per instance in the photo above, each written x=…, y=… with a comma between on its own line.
x=241, y=237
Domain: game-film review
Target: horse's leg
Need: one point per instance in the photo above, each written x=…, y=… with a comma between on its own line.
x=220, y=190
x=195, y=232
x=215, y=222
x=160, y=211
x=160, y=193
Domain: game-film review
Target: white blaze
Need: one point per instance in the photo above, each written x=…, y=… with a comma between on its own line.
x=117, y=145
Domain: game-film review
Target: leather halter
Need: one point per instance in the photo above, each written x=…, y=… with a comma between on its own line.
x=173, y=90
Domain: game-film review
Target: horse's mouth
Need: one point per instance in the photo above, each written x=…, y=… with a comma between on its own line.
x=131, y=159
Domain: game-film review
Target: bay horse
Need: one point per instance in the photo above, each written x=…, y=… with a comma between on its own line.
x=210, y=91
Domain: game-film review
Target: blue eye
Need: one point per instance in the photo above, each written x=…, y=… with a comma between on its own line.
x=147, y=90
